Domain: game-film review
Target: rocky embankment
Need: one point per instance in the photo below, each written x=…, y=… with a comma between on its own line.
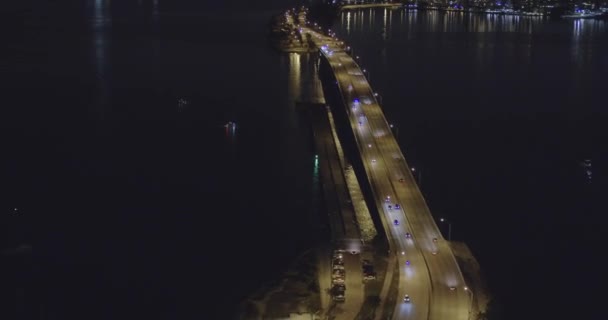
x=296, y=292
x=472, y=275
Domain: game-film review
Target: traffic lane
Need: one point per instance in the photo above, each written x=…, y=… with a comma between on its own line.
x=414, y=282
x=419, y=228
x=379, y=131
x=378, y=164
x=375, y=177
x=376, y=171
x=441, y=270
x=447, y=307
x=414, y=276
x=378, y=168
x=380, y=143
x=454, y=303
x=450, y=269
x=440, y=263
x=391, y=228
x=406, y=309
x=437, y=266
x=445, y=302
x=413, y=197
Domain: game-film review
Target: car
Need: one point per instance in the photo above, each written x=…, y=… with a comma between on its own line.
x=339, y=298
x=338, y=272
x=338, y=275
x=396, y=222
x=408, y=235
x=434, y=252
x=387, y=199
x=373, y=160
x=390, y=207
x=397, y=206
x=338, y=281
x=406, y=298
x=452, y=288
x=434, y=239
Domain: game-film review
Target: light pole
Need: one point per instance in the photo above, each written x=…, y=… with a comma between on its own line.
x=449, y=230
x=471, y=305
x=378, y=97
x=395, y=131
x=419, y=174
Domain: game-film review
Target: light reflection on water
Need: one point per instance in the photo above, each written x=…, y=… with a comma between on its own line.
x=435, y=21
x=462, y=54
x=294, y=88
x=101, y=13
x=348, y=21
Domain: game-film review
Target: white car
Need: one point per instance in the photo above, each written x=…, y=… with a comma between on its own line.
x=406, y=299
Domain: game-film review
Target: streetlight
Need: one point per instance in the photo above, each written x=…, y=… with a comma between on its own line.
x=449, y=232
x=419, y=175
x=471, y=305
x=378, y=97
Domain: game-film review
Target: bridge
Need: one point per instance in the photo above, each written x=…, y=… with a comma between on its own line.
x=432, y=279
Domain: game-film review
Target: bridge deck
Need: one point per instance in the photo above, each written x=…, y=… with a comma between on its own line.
x=433, y=269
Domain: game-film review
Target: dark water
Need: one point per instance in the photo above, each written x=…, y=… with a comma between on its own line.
x=137, y=206
x=498, y=113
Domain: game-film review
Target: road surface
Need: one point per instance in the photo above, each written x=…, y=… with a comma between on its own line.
x=433, y=270
x=345, y=232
